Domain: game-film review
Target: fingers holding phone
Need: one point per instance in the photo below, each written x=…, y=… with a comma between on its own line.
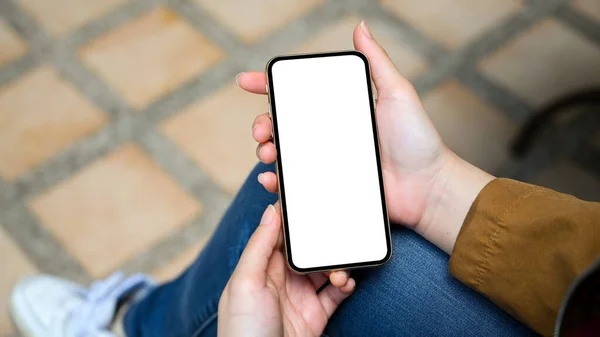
x=263, y=134
x=269, y=181
x=253, y=81
x=262, y=128
x=262, y=291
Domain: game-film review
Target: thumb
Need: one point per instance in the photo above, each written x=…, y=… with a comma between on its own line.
x=386, y=76
x=255, y=258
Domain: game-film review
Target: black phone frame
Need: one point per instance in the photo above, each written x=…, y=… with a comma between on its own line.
x=273, y=113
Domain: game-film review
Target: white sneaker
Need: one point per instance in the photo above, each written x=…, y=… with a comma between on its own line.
x=48, y=306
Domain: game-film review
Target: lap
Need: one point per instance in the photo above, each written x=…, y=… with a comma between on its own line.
x=413, y=294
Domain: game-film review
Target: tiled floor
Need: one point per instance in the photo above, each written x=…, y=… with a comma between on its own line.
x=123, y=135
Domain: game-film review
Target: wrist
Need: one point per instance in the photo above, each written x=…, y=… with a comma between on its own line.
x=454, y=190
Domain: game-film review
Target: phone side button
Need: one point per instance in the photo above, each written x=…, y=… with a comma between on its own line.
x=272, y=126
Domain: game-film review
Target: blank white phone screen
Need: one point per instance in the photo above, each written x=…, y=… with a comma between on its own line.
x=335, y=213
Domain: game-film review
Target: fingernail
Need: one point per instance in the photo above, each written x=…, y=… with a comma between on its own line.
x=267, y=218
x=260, y=177
x=366, y=29
x=236, y=78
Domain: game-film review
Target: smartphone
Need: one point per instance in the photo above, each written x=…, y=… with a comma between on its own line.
x=328, y=161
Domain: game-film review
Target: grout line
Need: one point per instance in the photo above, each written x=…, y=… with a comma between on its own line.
x=77, y=156
x=179, y=166
x=508, y=30
x=65, y=57
x=441, y=62
x=239, y=59
x=24, y=24
x=437, y=74
x=13, y=70
x=39, y=245
x=108, y=22
x=510, y=104
x=162, y=253
x=431, y=50
x=28, y=29
x=91, y=86
x=204, y=23
x=285, y=39
x=7, y=195
x=190, y=177
x=352, y=5
x=199, y=87
x=445, y=64
x=581, y=23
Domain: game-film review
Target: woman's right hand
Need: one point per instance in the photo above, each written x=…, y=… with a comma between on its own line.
x=428, y=188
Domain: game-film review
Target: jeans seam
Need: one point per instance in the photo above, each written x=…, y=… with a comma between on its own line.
x=213, y=305
x=202, y=327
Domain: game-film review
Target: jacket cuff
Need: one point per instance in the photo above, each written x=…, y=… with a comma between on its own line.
x=523, y=245
x=477, y=246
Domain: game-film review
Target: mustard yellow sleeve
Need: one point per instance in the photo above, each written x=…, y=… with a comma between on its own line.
x=522, y=245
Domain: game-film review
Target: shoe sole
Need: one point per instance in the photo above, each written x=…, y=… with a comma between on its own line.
x=20, y=325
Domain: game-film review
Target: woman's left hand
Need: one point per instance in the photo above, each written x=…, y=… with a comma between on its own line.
x=264, y=298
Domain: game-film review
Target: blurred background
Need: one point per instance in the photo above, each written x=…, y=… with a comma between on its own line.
x=123, y=135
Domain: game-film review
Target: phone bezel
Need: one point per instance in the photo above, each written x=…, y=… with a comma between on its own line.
x=279, y=166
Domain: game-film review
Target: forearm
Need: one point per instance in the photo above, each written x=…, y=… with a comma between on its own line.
x=454, y=190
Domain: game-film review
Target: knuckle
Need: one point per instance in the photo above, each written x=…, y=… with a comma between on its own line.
x=332, y=299
x=258, y=147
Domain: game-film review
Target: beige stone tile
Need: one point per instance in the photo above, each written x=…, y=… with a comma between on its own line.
x=590, y=8
x=114, y=209
x=470, y=127
x=338, y=36
x=569, y=178
x=40, y=115
x=452, y=22
x=62, y=16
x=11, y=45
x=150, y=56
x=176, y=266
x=254, y=21
x=545, y=62
x=14, y=265
x=216, y=133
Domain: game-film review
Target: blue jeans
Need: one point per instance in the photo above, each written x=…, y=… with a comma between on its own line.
x=411, y=295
